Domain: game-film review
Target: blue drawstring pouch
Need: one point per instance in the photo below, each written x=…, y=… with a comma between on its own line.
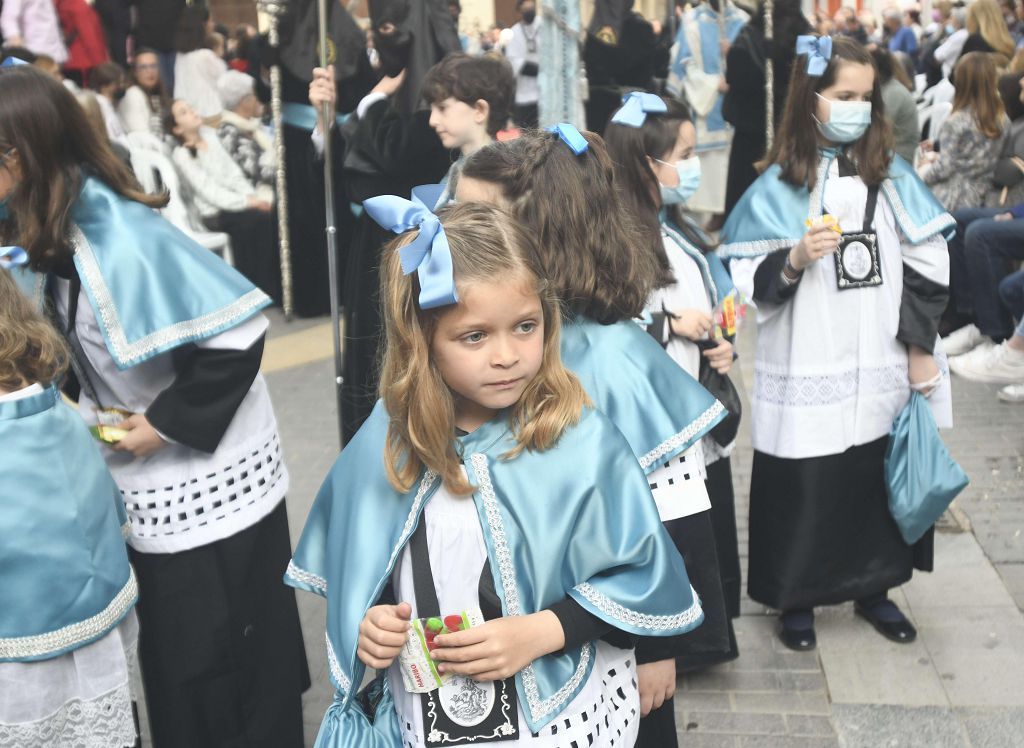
x=921, y=476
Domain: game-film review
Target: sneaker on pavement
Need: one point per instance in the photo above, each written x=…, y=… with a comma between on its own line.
x=998, y=364
x=1012, y=393
x=961, y=341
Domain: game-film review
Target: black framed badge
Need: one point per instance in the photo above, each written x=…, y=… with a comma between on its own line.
x=464, y=711
x=857, y=261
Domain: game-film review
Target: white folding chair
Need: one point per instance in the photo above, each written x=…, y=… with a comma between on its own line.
x=155, y=172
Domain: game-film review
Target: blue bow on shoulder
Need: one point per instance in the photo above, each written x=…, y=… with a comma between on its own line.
x=571, y=137
x=818, y=50
x=12, y=257
x=428, y=254
x=635, y=108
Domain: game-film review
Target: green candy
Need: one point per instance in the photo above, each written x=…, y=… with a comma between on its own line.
x=435, y=625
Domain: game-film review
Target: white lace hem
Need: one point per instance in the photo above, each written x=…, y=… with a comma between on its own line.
x=103, y=722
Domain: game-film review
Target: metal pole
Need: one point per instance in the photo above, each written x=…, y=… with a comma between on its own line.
x=274, y=10
x=769, y=72
x=331, y=230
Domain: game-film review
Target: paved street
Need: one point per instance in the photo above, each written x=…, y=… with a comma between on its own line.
x=960, y=685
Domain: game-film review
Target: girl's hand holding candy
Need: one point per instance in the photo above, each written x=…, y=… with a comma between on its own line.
x=692, y=324
x=720, y=357
x=821, y=239
x=382, y=634
x=499, y=648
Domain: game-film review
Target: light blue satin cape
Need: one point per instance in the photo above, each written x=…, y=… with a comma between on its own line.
x=64, y=574
x=576, y=520
x=717, y=281
x=658, y=407
x=771, y=214
x=151, y=287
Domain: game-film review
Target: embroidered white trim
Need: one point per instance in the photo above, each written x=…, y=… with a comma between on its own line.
x=308, y=578
x=916, y=234
x=103, y=722
x=126, y=353
x=425, y=484
x=24, y=647
x=684, y=438
x=340, y=679
x=827, y=389
x=755, y=248
x=538, y=708
x=641, y=620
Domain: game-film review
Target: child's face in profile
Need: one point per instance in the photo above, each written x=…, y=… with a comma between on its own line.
x=457, y=123
x=489, y=347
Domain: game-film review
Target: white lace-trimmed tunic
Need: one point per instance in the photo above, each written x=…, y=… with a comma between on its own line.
x=180, y=498
x=829, y=371
x=81, y=699
x=606, y=710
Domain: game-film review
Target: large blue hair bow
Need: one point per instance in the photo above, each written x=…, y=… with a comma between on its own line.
x=818, y=50
x=428, y=254
x=571, y=137
x=11, y=62
x=636, y=106
x=12, y=257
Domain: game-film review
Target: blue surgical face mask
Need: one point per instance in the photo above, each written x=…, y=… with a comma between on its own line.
x=689, y=180
x=949, y=28
x=847, y=120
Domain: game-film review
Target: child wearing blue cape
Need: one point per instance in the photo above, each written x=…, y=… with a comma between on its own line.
x=166, y=342
x=653, y=144
x=561, y=185
x=842, y=248
x=491, y=482
x=67, y=594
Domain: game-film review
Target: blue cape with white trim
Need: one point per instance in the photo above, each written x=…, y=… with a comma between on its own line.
x=772, y=212
x=151, y=287
x=576, y=520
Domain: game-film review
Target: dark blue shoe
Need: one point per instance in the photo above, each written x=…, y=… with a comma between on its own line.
x=888, y=620
x=797, y=630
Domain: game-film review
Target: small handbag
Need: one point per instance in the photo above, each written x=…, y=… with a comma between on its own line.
x=719, y=385
x=920, y=475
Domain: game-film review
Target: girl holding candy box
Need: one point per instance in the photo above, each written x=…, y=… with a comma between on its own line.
x=485, y=479
x=847, y=327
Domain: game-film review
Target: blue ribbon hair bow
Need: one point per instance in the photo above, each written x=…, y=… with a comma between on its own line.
x=12, y=257
x=571, y=137
x=818, y=50
x=428, y=254
x=636, y=105
x=11, y=62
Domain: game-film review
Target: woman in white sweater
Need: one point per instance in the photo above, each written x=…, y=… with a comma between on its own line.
x=225, y=199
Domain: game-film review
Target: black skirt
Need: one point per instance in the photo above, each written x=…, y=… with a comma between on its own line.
x=723, y=517
x=223, y=663
x=712, y=642
x=821, y=532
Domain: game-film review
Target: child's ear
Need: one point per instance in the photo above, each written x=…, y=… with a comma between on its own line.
x=481, y=111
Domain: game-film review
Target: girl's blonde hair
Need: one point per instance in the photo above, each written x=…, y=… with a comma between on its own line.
x=486, y=245
x=31, y=350
x=986, y=18
x=977, y=92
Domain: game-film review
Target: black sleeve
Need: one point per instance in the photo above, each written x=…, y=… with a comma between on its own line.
x=392, y=142
x=581, y=626
x=921, y=308
x=769, y=288
x=202, y=400
x=657, y=648
x=387, y=595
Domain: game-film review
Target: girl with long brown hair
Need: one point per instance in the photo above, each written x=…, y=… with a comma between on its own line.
x=841, y=246
x=484, y=487
x=67, y=593
x=561, y=185
x=166, y=343
x=652, y=142
x=972, y=137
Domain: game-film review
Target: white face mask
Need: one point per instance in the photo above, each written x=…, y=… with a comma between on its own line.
x=689, y=180
x=847, y=120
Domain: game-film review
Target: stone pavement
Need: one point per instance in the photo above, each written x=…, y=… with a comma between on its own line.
x=961, y=684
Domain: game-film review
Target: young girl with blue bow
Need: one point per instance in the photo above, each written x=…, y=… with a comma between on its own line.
x=489, y=482
x=67, y=593
x=842, y=248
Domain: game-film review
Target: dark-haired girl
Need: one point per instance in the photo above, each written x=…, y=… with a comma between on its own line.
x=847, y=326
x=166, y=342
x=147, y=101
x=657, y=170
